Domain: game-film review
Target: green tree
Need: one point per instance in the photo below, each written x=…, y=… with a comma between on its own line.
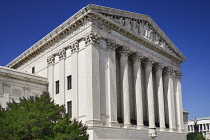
x=39, y=118
x=195, y=136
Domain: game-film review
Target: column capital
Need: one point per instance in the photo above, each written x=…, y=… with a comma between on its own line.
x=92, y=38
x=124, y=52
x=62, y=54
x=178, y=74
x=6, y=85
x=136, y=56
x=74, y=46
x=167, y=71
x=111, y=44
x=25, y=88
x=148, y=61
x=51, y=60
x=158, y=66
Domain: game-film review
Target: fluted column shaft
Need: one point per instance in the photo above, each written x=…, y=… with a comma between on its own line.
x=138, y=90
x=112, y=91
x=179, y=102
x=159, y=86
x=92, y=42
x=150, y=94
x=170, y=98
x=125, y=87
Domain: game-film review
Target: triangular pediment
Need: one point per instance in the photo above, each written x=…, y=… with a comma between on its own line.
x=141, y=25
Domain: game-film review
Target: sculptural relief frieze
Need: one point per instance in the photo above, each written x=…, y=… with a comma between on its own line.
x=142, y=28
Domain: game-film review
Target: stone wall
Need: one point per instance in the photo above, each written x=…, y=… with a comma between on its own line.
x=15, y=84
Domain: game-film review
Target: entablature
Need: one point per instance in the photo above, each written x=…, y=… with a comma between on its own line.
x=149, y=35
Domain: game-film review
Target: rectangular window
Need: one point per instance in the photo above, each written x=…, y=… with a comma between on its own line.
x=56, y=87
x=69, y=107
x=33, y=70
x=69, y=85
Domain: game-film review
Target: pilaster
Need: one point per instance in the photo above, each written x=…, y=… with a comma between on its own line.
x=26, y=92
x=50, y=68
x=74, y=49
x=6, y=92
x=62, y=56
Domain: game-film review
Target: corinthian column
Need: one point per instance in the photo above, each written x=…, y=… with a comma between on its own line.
x=159, y=87
x=150, y=94
x=125, y=86
x=138, y=89
x=92, y=41
x=179, y=102
x=111, y=79
x=168, y=76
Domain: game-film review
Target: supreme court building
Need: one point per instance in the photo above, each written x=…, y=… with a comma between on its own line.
x=114, y=70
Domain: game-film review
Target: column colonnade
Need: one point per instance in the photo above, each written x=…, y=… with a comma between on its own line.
x=164, y=82
x=157, y=88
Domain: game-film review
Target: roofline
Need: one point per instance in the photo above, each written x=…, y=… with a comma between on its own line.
x=85, y=10
x=142, y=17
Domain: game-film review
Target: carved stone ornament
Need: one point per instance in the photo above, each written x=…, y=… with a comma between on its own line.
x=111, y=44
x=158, y=66
x=5, y=85
x=92, y=38
x=167, y=71
x=51, y=60
x=62, y=54
x=152, y=132
x=124, y=52
x=178, y=74
x=136, y=57
x=74, y=47
x=142, y=28
x=148, y=61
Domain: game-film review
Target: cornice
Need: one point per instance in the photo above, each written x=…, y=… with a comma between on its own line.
x=121, y=13
x=84, y=17
x=59, y=32
x=111, y=25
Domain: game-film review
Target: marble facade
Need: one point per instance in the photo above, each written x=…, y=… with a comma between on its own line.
x=125, y=74
x=15, y=84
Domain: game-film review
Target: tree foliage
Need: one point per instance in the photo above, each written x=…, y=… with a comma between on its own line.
x=195, y=136
x=39, y=118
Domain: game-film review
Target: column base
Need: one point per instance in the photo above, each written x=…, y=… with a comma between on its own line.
x=94, y=123
x=162, y=128
x=140, y=126
x=113, y=124
x=181, y=130
x=172, y=129
x=127, y=125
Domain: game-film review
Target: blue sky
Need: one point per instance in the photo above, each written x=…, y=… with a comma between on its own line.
x=185, y=22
